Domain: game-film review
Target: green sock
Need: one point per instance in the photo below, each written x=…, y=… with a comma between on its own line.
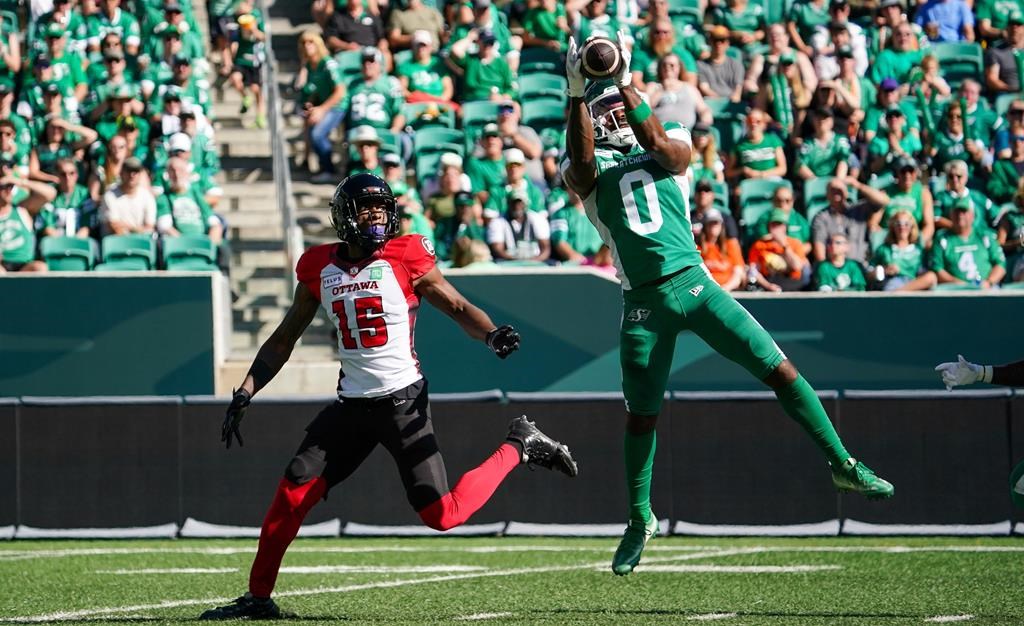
x=639, y=466
x=802, y=404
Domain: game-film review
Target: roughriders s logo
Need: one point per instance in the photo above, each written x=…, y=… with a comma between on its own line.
x=638, y=315
x=429, y=247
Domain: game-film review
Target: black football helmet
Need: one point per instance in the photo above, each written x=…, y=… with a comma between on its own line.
x=352, y=195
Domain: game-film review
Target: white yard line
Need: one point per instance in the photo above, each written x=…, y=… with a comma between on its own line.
x=369, y=569
x=737, y=569
x=708, y=617
x=946, y=619
x=171, y=604
x=481, y=616
x=169, y=570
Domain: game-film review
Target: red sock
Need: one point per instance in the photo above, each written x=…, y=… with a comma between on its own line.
x=289, y=508
x=472, y=491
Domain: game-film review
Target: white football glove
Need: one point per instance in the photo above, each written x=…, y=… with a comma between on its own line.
x=624, y=77
x=963, y=372
x=573, y=63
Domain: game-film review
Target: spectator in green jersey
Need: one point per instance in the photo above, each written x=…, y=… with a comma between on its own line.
x=660, y=43
x=962, y=255
x=994, y=18
x=181, y=209
x=804, y=19
x=1010, y=235
x=900, y=260
x=825, y=154
x=952, y=144
x=797, y=227
x=516, y=181
x=838, y=272
x=112, y=18
x=425, y=77
x=60, y=140
x=246, y=66
x=744, y=20
x=889, y=95
x=367, y=144
x=487, y=171
x=467, y=222
x=486, y=74
x=706, y=163
x=546, y=25
x=896, y=142
x=573, y=237
x=759, y=154
x=905, y=194
x=594, y=19
x=1006, y=173
x=899, y=60
x=981, y=121
x=322, y=90
x=957, y=175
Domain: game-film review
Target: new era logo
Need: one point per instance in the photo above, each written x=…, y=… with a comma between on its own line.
x=638, y=315
x=696, y=290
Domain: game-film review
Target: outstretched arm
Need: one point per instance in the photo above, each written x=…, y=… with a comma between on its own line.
x=274, y=352
x=672, y=154
x=446, y=298
x=963, y=372
x=581, y=172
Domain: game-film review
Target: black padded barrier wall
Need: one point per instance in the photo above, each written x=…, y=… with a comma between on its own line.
x=737, y=458
x=1016, y=444
x=99, y=462
x=946, y=453
x=235, y=486
x=8, y=462
x=593, y=431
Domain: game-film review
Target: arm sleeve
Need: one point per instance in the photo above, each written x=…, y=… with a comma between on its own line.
x=419, y=257
x=1010, y=375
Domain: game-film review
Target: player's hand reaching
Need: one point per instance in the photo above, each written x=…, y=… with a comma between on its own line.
x=624, y=77
x=573, y=63
x=962, y=372
x=233, y=417
x=503, y=340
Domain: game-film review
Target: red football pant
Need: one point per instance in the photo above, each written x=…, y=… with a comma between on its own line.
x=472, y=491
x=291, y=504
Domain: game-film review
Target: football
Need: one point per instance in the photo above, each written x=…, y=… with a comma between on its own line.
x=600, y=58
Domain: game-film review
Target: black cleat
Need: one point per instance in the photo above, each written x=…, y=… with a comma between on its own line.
x=246, y=607
x=539, y=449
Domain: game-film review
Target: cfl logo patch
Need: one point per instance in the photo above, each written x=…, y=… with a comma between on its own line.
x=638, y=315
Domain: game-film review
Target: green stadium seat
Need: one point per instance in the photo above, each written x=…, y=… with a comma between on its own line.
x=190, y=253
x=402, y=56
x=127, y=253
x=477, y=113
x=542, y=85
x=957, y=287
x=1003, y=102
x=544, y=113
x=815, y=196
x=1013, y=286
x=438, y=139
x=533, y=60
x=427, y=165
x=877, y=238
x=959, y=61
x=69, y=254
x=687, y=17
x=350, y=62
x=414, y=115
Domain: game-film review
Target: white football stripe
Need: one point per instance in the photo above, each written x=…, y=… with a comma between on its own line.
x=707, y=617
x=480, y=616
x=946, y=619
x=737, y=569
x=170, y=570
x=369, y=569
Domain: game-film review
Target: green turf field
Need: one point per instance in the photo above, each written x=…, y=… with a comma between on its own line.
x=731, y=582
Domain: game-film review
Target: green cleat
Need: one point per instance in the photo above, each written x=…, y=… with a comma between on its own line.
x=855, y=476
x=637, y=534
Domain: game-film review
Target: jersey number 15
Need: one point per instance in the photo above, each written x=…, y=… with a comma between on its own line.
x=371, y=329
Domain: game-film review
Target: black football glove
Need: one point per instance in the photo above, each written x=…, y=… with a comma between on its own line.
x=233, y=417
x=503, y=340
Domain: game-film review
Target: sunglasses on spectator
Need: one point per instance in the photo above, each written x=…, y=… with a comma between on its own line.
x=785, y=199
x=957, y=175
x=1018, y=137
x=904, y=223
x=837, y=192
x=68, y=173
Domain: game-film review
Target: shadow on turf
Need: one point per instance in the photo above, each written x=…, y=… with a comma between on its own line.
x=793, y=614
x=188, y=620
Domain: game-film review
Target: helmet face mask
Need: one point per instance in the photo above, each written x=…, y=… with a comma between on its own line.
x=357, y=194
x=608, y=114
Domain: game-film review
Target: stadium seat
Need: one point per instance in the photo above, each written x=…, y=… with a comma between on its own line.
x=1003, y=102
x=815, y=196
x=127, y=253
x=402, y=56
x=190, y=253
x=959, y=61
x=69, y=254
x=438, y=139
x=542, y=86
x=350, y=62
x=415, y=118
x=685, y=12
x=474, y=116
x=533, y=60
x=544, y=113
x=756, y=198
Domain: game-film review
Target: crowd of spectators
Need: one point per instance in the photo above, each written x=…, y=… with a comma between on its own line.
x=838, y=144
x=106, y=130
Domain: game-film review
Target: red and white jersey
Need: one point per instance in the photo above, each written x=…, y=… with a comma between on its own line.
x=373, y=305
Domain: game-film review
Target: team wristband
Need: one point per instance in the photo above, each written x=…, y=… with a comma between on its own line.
x=639, y=115
x=986, y=376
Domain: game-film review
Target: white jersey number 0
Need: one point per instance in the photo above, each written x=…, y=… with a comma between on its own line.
x=628, y=190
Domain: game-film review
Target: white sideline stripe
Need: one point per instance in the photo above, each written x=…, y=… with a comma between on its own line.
x=737, y=569
x=945, y=619
x=6, y=532
x=707, y=617
x=193, y=528
x=853, y=527
x=369, y=569
x=480, y=616
x=169, y=570
x=828, y=528
x=171, y=604
x=529, y=529
x=163, y=531
x=355, y=529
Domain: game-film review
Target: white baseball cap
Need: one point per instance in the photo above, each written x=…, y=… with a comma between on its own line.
x=423, y=37
x=179, y=142
x=515, y=155
x=451, y=159
x=365, y=134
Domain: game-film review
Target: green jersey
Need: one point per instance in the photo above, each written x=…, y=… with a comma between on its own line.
x=498, y=26
x=449, y=229
x=543, y=24
x=758, y=156
x=483, y=79
x=602, y=26
x=894, y=64
x=642, y=212
x=848, y=277
x=909, y=259
x=321, y=81
x=374, y=104
x=122, y=23
x=486, y=175
x=808, y=16
x=970, y=258
x=573, y=227
x=17, y=239
x=910, y=201
x=874, y=115
x=189, y=212
x=822, y=158
x=997, y=12
x=646, y=62
x=498, y=199
x=949, y=148
x=250, y=52
x=426, y=77
x=67, y=212
x=879, y=146
x=749, y=20
x=798, y=228
x=49, y=155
